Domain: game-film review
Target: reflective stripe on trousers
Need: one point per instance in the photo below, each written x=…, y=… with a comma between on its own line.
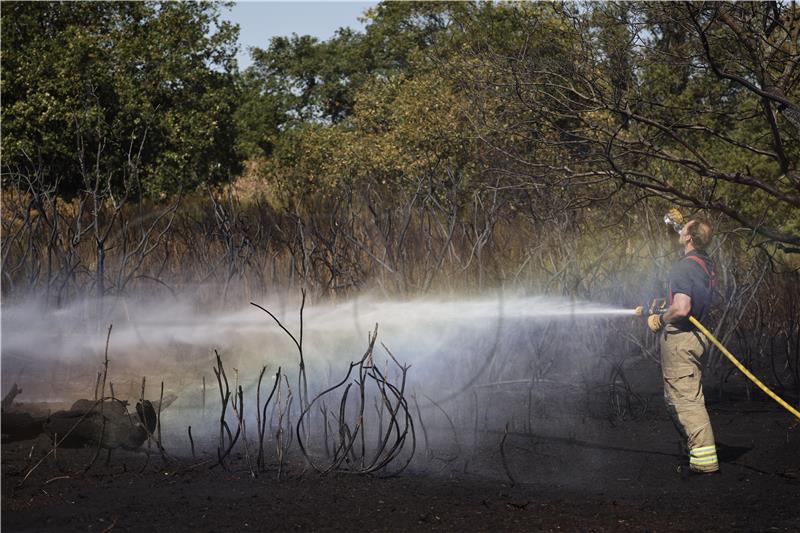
x=704, y=457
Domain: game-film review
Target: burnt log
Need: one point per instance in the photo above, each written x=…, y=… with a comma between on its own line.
x=20, y=426
x=17, y=425
x=8, y=399
x=111, y=427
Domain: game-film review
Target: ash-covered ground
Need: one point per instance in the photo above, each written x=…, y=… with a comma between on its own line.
x=604, y=477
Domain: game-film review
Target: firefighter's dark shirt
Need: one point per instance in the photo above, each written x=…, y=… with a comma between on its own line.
x=689, y=278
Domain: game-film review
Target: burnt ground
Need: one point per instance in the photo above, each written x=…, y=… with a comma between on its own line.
x=608, y=477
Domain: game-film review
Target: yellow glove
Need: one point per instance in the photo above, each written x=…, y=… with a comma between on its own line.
x=676, y=216
x=655, y=323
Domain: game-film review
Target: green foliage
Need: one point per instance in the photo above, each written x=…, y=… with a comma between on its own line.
x=298, y=80
x=682, y=101
x=403, y=102
x=703, y=70
x=312, y=78
x=258, y=118
x=131, y=93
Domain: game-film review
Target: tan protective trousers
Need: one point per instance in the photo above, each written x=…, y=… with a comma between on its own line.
x=681, y=352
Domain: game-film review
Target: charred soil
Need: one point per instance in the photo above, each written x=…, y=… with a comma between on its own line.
x=610, y=477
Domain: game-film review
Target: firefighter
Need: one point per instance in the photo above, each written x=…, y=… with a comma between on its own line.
x=691, y=284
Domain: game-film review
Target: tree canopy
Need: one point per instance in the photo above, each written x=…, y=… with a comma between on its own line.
x=572, y=104
x=125, y=93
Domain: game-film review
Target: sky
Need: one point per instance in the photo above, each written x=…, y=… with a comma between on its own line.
x=259, y=21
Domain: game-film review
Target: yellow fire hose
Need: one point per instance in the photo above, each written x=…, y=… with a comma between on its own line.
x=741, y=367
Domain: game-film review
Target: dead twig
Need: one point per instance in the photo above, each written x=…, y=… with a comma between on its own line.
x=51, y=480
x=102, y=405
x=503, y=456
x=347, y=458
x=452, y=428
x=261, y=415
x=302, y=381
x=191, y=442
x=238, y=411
x=111, y=526
x=283, y=411
x=141, y=401
x=225, y=394
x=158, y=424
x=422, y=425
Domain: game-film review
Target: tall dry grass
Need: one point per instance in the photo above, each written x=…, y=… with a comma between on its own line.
x=232, y=246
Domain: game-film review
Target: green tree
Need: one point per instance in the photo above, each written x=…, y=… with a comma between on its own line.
x=361, y=110
x=695, y=103
x=297, y=79
x=133, y=95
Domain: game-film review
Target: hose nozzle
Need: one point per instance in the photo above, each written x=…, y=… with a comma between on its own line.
x=658, y=305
